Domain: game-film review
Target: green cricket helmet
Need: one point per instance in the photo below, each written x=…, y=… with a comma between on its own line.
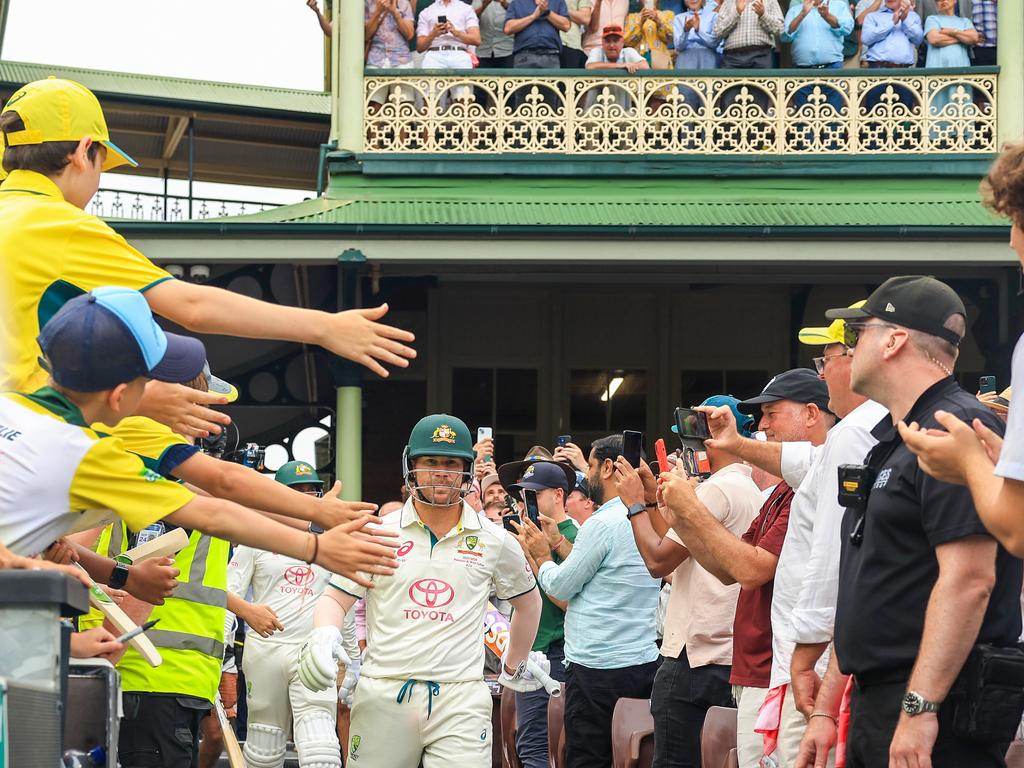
x=297, y=473
x=439, y=435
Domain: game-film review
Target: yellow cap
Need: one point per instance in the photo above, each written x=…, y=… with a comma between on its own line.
x=61, y=110
x=834, y=334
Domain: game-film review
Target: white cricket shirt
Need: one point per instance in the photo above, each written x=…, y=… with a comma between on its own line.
x=426, y=621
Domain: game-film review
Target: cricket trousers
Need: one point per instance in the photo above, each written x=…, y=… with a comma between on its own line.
x=399, y=723
x=277, y=699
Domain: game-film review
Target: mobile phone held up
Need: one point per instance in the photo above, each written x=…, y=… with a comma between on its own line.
x=691, y=424
x=442, y=19
x=632, y=447
x=532, y=510
x=564, y=440
x=507, y=521
x=484, y=433
x=986, y=384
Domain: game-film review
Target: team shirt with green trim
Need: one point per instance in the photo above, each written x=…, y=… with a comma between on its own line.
x=426, y=621
x=58, y=476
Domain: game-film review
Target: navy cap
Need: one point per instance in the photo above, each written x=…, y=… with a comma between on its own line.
x=581, y=484
x=537, y=475
x=108, y=337
x=801, y=385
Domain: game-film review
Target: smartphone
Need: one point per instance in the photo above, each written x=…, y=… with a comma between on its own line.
x=649, y=5
x=564, y=440
x=507, y=521
x=442, y=19
x=632, y=447
x=484, y=433
x=986, y=384
x=532, y=510
x=662, y=454
x=692, y=424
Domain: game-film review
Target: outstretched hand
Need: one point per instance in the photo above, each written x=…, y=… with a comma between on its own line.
x=357, y=336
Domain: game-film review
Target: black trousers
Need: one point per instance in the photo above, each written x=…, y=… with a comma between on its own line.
x=680, y=699
x=496, y=62
x=874, y=712
x=573, y=58
x=590, y=696
x=984, y=57
x=160, y=731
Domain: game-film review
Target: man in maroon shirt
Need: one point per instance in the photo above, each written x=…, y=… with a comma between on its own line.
x=794, y=407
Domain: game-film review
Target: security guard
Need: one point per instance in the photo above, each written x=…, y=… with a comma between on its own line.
x=422, y=674
x=923, y=588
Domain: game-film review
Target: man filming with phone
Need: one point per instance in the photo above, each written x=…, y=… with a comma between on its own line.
x=697, y=647
x=546, y=529
x=609, y=624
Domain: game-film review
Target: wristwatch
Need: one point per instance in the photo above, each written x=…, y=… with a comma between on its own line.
x=118, y=576
x=915, y=704
x=635, y=509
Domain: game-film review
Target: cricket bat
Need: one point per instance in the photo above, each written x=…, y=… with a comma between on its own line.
x=235, y=758
x=168, y=544
x=496, y=635
x=112, y=611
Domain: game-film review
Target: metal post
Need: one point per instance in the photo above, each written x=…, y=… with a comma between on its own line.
x=191, y=161
x=1010, y=57
x=348, y=380
x=4, y=6
x=166, y=172
x=347, y=93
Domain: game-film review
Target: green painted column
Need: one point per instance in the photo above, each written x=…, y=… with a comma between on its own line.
x=347, y=104
x=1011, y=76
x=348, y=380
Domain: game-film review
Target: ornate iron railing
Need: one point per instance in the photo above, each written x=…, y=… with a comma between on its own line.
x=767, y=112
x=153, y=206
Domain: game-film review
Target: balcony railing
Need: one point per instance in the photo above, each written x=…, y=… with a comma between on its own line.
x=731, y=112
x=153, y=206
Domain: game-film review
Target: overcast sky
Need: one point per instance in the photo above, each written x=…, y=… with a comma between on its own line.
x=259, y=42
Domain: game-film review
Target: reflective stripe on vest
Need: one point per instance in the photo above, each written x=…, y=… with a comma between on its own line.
x=190, y=636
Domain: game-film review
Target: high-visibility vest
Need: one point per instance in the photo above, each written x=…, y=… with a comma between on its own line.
x=190, y=635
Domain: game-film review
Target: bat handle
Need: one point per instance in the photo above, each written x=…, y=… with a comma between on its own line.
x=552, y=686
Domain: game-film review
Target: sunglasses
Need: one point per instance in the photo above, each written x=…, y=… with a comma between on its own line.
x=853, y=331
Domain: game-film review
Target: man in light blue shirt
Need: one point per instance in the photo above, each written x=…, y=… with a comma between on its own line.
x=891, y=36
x=610, y=645
x=817, y=29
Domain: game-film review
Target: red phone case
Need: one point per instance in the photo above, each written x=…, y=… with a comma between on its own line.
x=662, y=454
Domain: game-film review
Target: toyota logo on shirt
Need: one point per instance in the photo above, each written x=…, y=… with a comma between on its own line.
x=299, y=575
x=431, y=593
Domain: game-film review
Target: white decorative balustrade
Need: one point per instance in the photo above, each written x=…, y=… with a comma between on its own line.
x=718, y=112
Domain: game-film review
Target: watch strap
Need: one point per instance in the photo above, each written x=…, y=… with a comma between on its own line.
x=118, y=576
x=635, y=509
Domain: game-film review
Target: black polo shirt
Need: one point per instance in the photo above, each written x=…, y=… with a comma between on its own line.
x=885, y=582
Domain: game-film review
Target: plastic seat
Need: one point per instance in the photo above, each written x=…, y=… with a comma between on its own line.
x=1015, y=755
x=632, y=734
x=717, y=737
x=510, y=758
x=556, y=731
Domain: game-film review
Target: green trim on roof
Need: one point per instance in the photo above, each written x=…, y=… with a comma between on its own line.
x=573, y=204
x=177, y=91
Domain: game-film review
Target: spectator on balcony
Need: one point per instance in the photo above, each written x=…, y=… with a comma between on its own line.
x=983, y=14
x=891, y=36
x=613, y=55
x=325, y=25
x=580, y=12
x=749, y=29
x=606, y=13
x=693, y=33
x=446, y=43
x=495, y=49
x=649, y=30
x=816, y=28
x=388, y=28
x=536, y=25
x=949, y=36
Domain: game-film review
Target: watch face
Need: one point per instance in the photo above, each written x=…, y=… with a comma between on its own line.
x=912, y=703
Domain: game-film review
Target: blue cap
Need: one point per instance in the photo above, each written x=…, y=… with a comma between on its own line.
x=108, y=337
x=744, y=422
x=543, y=475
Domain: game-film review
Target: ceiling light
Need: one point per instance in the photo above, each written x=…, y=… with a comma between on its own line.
x=613, y=387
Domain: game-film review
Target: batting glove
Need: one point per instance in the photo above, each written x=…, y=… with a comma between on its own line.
x=348, y=684
x=319, y=657
x=523, y=680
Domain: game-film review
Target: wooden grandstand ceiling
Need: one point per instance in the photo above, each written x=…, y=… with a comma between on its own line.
x=240, y=134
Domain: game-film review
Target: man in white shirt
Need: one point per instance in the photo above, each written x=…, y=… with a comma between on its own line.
x=421, y=695
x=444, y=32
x=807, y=575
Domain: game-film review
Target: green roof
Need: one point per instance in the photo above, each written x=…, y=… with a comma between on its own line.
x=172, y=89
x=578, y=204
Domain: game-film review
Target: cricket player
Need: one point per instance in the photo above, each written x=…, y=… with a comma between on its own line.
x=277, y=701
x=421, y=695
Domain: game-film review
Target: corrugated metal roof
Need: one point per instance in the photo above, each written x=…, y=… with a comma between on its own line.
x=15, y=73
x=570, y=203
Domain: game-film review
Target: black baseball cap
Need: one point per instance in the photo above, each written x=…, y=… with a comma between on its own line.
x=536, y=475
x=801, y=385
x=918, y=302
